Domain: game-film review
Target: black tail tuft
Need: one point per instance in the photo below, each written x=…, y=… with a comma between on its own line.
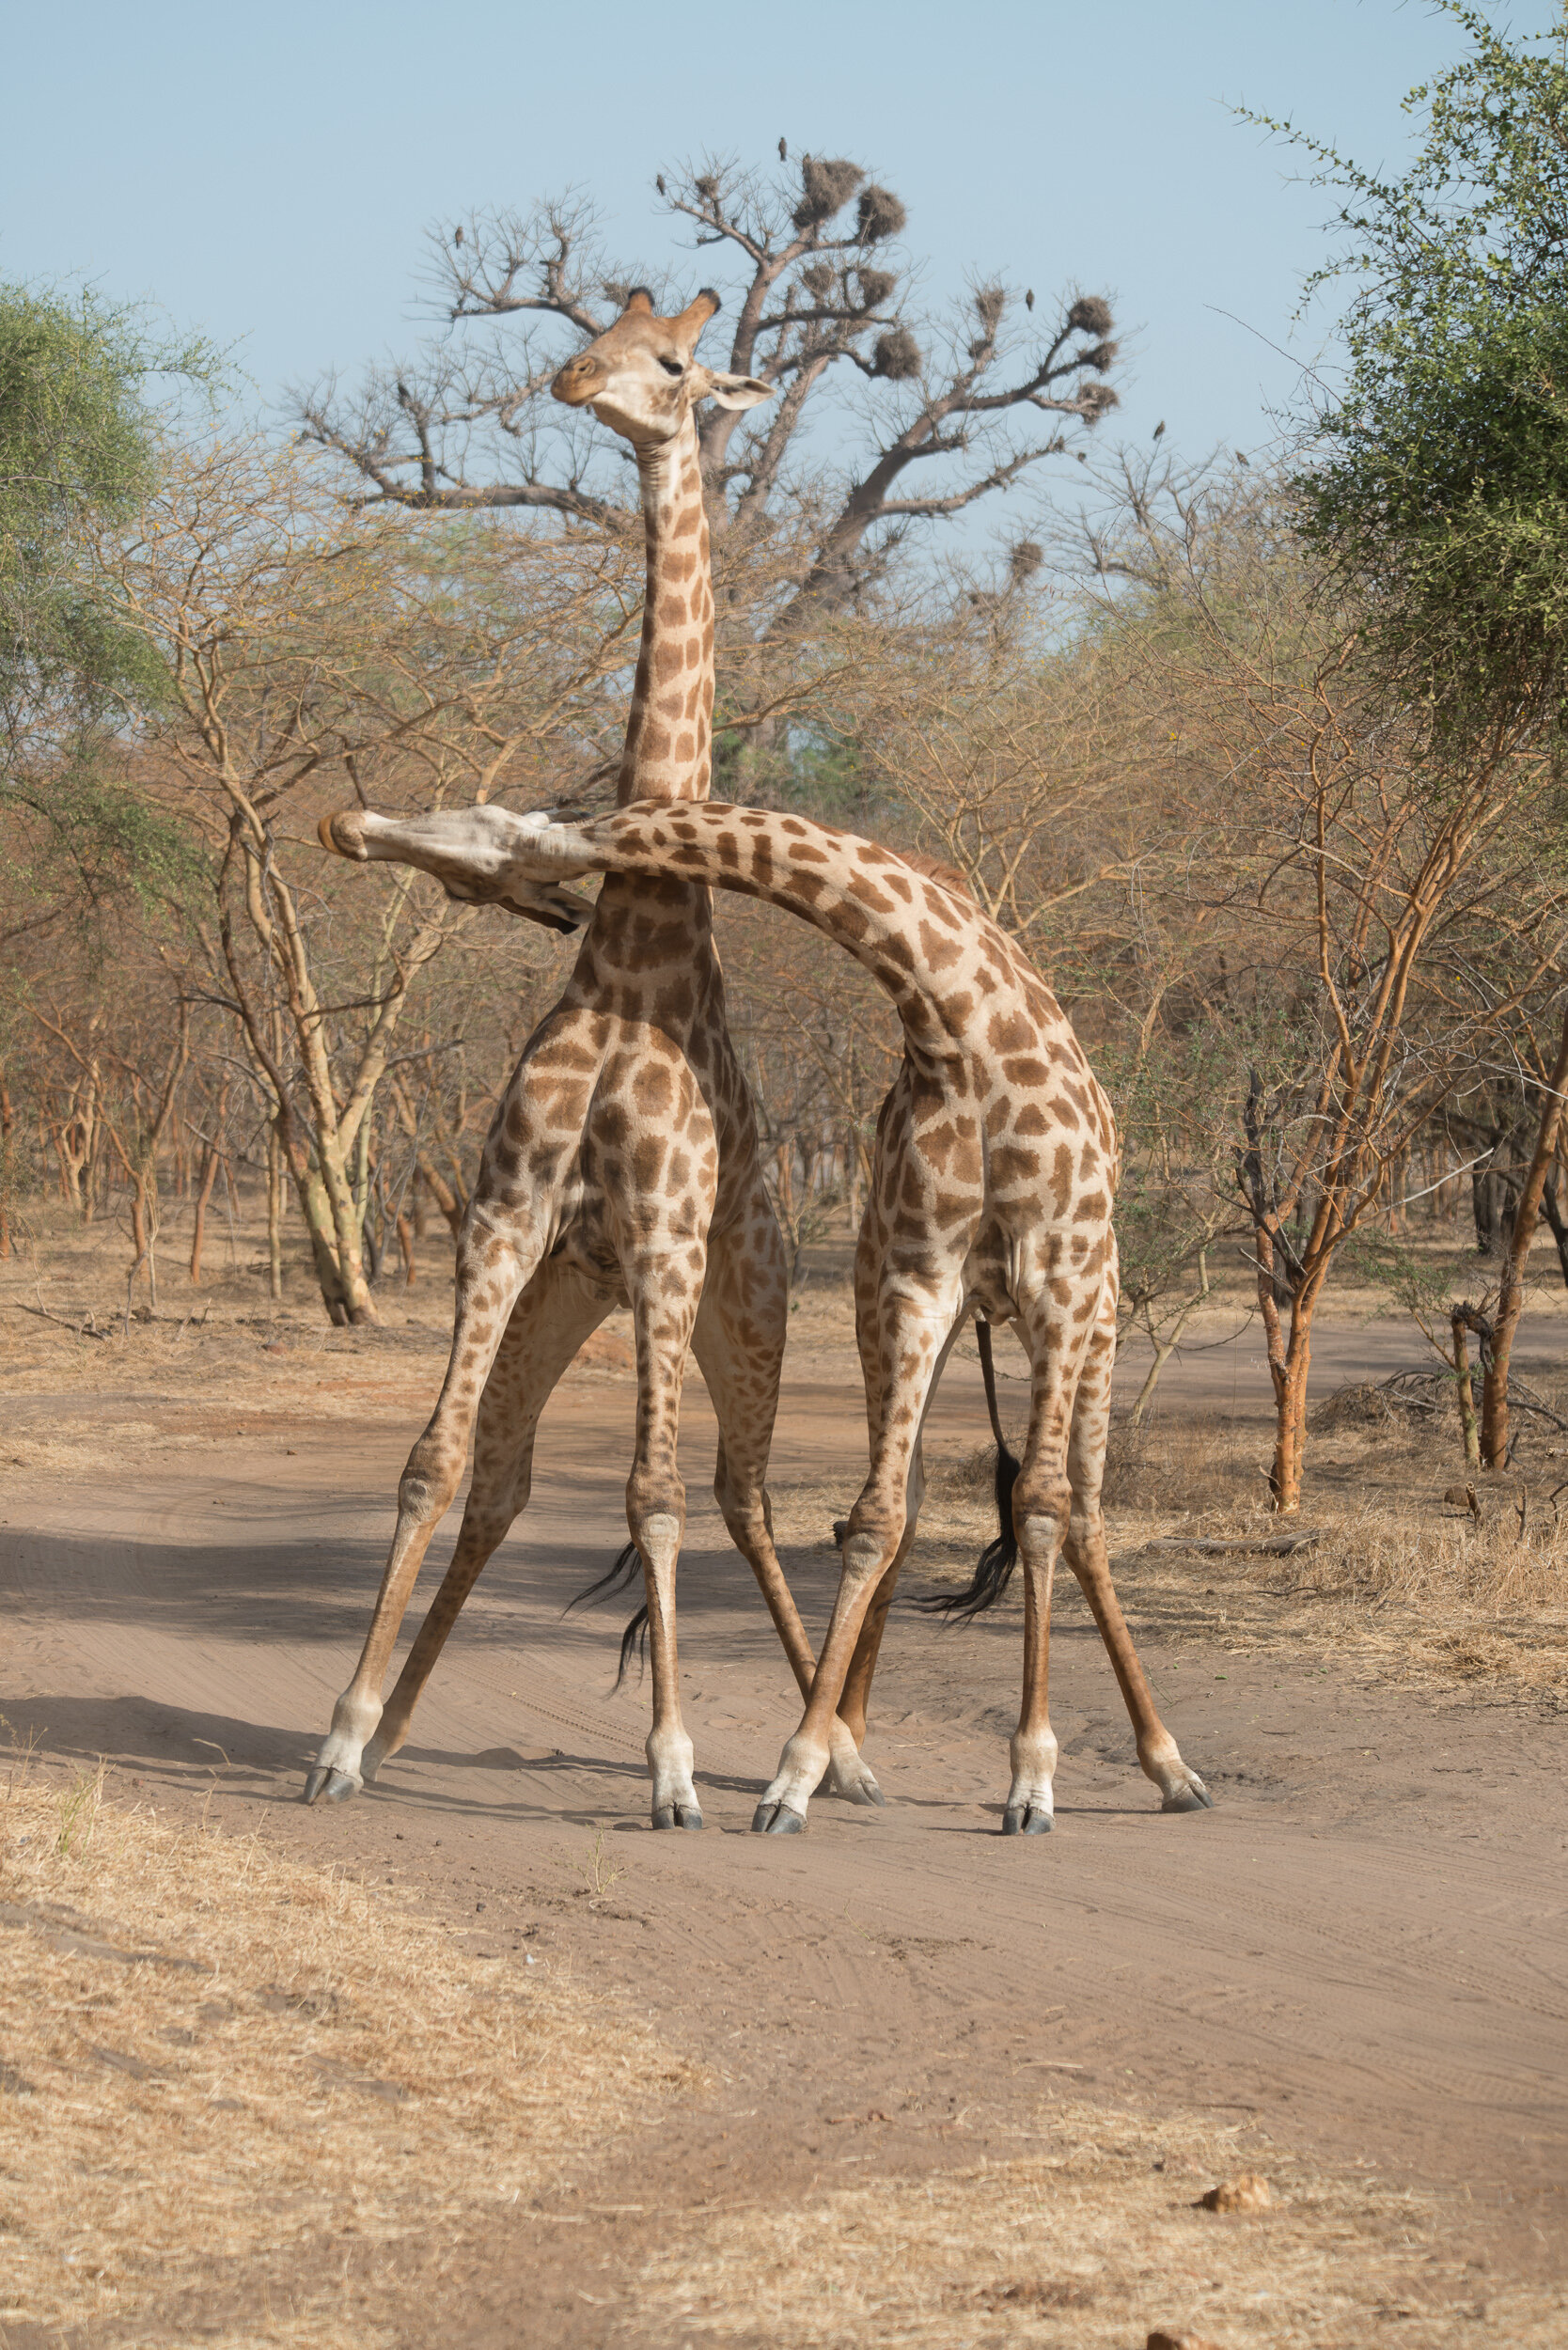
x=627, y=1568
x=841, y=1527
x=635, y=1636
x=994, y=1572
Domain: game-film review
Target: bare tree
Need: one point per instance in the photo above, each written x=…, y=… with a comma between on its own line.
x=947, y=409
x=303, y=647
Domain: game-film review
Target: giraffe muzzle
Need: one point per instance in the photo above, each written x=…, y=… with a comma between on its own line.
x=343, y=835
x=577, y=381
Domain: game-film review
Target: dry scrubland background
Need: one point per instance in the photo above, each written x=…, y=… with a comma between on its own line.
x=1294, y=860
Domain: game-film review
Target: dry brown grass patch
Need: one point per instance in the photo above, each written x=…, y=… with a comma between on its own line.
x=1085, y=2244
x=228, y=2075
x=1398, y=1578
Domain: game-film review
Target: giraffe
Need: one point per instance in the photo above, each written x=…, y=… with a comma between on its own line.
x=622, y=1166
x=994, y=1172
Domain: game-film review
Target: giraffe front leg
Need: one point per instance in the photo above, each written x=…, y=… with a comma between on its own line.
x=550, y=1321
x=1180, y=1789
x=664, y=1289
x=916, y=1323
x=739, y=1343
x=807, y=1755
x=1030, y=1809
x=670, y=1750
x=424, y=1494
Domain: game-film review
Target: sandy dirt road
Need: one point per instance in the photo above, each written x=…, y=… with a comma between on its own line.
x=1362, y=1947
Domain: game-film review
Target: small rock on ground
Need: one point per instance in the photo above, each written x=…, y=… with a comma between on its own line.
x=1246, y=2193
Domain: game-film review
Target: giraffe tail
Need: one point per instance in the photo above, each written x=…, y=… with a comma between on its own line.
x=623, y=1574
x=993, y=1570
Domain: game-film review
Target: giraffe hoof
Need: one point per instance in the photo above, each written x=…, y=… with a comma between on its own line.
x=1024, y=1819
x=677, y=1816
x=314, y=1782
x=776, y=1818
x=340, y=1787
x=1194, y=1798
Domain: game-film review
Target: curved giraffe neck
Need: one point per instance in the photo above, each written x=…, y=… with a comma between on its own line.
x=667, y=755
x=919, y=938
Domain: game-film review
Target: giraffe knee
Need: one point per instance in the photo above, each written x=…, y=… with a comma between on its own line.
x=657, y=1535
x=870, y=1542
x=1042, y=1509
x=428, y=1482
x=653, y=1495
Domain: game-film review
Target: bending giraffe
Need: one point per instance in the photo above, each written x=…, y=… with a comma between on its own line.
x=622, y=1166
x=996, y=1165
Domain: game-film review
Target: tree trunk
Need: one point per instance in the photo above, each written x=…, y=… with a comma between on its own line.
x=441, y=1193
x=274, y=1215
x=852, y=1177
x=1290, y=1435
x=8, y=1168
x=208, y=1176
x=352, y=1285
x=1483, y=1203
x=199, y=1223
x=1289, y=1364
x=1510, y=1292
x=1465, y=1393
x=405, y=1242
x=1559, y=1223
x=317, y=1210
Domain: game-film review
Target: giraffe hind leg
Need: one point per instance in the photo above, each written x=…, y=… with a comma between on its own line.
x=739, y=1343
x=1180, y=1789
x=664, y=1307
x=556, y=1311
x=490, y=1280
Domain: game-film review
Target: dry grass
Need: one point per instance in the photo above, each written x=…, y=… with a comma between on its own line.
x=1400, y=1579
x=228, y=2079
x=1085, y=2244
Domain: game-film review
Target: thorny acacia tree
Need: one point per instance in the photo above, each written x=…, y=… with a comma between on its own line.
x=944, y=410
x=1358, y=905
x=1439, y=486
x=80, y=439
x=305, y=652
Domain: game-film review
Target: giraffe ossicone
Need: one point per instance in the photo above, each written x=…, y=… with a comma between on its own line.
x=622, y=1166
x=993, y=1187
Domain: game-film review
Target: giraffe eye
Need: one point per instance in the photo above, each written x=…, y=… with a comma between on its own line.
x=672, y=366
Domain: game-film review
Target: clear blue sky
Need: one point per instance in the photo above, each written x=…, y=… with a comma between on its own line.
x=264, y=173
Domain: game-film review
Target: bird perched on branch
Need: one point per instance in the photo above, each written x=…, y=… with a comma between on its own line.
x=659, y=184
x=783, y=151
x=1159, y=427
x=1029, y=299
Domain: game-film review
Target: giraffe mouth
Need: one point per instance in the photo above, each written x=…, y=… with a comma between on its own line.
x=575, y=388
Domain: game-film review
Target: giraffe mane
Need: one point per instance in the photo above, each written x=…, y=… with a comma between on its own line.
x=933, y=869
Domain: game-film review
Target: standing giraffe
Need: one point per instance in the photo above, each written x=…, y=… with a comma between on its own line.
x=995, y=1166
x=622, y=1166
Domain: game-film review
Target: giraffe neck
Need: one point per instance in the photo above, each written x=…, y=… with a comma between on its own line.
x=921, y=940
x=669, y=732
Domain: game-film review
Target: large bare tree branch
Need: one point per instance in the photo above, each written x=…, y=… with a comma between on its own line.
x=819, y=290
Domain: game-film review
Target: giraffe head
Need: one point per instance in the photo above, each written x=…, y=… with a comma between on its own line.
x=642, y=378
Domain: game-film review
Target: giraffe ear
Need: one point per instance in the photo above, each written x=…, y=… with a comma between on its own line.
x=734, y=391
